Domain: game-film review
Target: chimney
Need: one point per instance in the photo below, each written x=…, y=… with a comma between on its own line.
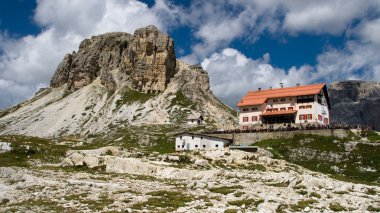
x=270, y=87
x=298, y=84
x=259, y=88
x=281, y=84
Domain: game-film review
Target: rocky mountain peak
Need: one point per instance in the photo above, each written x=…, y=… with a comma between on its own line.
x=355, y=102
x=144, y=61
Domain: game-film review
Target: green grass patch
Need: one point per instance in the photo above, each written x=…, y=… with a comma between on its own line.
x=225, y=189
x=26, y=148
x=238, y=194
x=181, y=100
x=318, y=153
x=230, y=211
x=314, y=194
x=373, y=209
x=301, y=205
x=44, y=205
x=281, y=184
x=372, y=136
x=130, y=96
x=168, y=200
x=299, y=187
x=336, y=207
x=246, y=202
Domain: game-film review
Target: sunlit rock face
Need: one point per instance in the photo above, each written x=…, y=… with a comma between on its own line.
x=355, y=103
x=144, y=61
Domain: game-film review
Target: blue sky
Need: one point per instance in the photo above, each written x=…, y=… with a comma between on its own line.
x=243, y=44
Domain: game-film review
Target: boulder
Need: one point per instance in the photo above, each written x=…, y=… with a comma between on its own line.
x=201, y=162
x=91, y=161
x=173, y=158
x=67, y=162
x=77, y=159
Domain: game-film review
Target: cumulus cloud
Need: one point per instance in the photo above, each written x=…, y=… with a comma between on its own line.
x=356, y=60
x=29, y=62
x=232, y=74
x=217, y=23
x=370, y=31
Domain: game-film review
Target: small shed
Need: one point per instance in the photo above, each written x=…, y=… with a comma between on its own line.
x=195, y=119
x=194, y=141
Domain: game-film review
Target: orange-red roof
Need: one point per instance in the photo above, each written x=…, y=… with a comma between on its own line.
x=284, y=112
x=260, y=96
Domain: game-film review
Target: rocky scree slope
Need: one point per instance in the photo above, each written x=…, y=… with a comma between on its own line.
x=118, y=79
x=355, y=102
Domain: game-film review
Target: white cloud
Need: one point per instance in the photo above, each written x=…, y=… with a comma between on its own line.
x=217, y=23
x=370, y=31
x=326, y=16
x=29, y=62
x=355, y=61
x=232, y=74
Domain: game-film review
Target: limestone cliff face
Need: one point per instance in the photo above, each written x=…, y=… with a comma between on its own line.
x=355, y=102
x=116, y=80
x=144, y=61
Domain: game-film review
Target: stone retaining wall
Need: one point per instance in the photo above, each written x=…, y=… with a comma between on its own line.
x=250, y=138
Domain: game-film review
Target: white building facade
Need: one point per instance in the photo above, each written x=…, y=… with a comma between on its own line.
x=291, y=105
x=191, y=141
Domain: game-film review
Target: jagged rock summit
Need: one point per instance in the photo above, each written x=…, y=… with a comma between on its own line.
x=144, y=62
x=355, y=103
x=116, y=80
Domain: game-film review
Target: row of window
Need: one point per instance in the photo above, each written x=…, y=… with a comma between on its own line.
x=306, y=107
x=306, y=117
x=276, y=109
x=192, y=137
x=281, y=100
x=254, y=118
x=196, y=146
x=247, y=109
x=310, y=117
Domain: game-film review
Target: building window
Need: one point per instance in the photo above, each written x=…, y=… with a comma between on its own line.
x=245, y=127
x=204, y=146
x=290, y=108
x=309, y=116
x=302, y=117
x=254, y=118
x=308, y=106
x=282, y=108
x=192, y=137
x=245, y=109
x=320, y=117
x=290, y=99
x=183, y=146
x=269, y=110
x=275, y=100
x=201, y=138
x=196, y=146
x=216, y=145
x=254, y=109
x=305, y=99
x=326, y=121
x=282, y=99
x=275, y=109
x=245, y=119
x=180, y=137
x=179, y=146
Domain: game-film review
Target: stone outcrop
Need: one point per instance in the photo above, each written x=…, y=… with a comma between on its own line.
x=355, y=103
x=144, y=61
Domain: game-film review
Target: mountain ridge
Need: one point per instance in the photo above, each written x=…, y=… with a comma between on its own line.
x=117, y=79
